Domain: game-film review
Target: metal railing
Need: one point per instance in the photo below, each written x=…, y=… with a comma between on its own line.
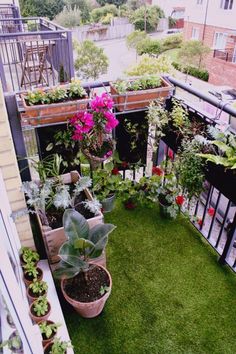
x=34, y=52
x=9, y=11
x=228, y=56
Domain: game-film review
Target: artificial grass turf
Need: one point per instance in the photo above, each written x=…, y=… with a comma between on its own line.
x=169, y=293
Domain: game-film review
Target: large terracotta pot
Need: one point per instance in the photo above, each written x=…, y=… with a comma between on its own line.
x=140, y=99
x=88, y=309
x=100, y=261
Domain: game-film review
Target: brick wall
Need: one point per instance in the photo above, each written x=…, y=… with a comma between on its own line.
x=11, y=176
x=221, y=73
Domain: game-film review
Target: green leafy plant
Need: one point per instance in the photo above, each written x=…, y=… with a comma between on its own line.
x=83, y=244
x=29, y=255
x=41, y=306
x=75, y=89
x=69, y=17
x=144, y=83
x=158, y=119
x=146, y=18
x=38, y=287
x=48, y=329
x=225, y=149
x=149, y=65
x=13, y=343
x=59, y=347
x=134, y=38
x=104, y=290
x=30, y=270
x=36, y=97
x=58, y=94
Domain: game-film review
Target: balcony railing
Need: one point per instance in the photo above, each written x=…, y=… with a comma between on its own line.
x=228, y=56
x=34, y=52
x=9, y=11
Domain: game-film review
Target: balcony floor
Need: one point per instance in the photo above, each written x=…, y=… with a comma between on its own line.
x=169, y=294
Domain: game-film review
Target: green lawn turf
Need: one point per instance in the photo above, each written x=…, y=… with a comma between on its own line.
x=169, y=293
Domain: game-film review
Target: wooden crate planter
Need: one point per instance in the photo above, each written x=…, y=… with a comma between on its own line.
x=54, y=238
x=140, y=99
x=51, y=113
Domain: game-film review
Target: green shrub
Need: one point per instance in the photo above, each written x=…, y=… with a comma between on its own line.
x=198, y=73
x=152, y=15
x=149, y=46
x=134, y=38
x=173, y=41
x=68, y=18
x=151, y=65
x=101, y=12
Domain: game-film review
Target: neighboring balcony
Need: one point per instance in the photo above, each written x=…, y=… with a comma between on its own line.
x=229, y=56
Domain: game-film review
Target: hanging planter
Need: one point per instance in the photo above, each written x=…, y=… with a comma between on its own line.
x=138, y=93
x=106, y=151
x=55, y=105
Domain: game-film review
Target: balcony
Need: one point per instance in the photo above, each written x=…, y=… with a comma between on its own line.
x=228, y=56
x=169, y=293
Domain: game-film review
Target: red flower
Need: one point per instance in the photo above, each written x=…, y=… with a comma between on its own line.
x=171, y=154
x=129, y=205
x=115, y=171
x=157, y=171
x=124, y=164
x=102, y=210
x=179, y=200
x=211, y=212
x=199, y=221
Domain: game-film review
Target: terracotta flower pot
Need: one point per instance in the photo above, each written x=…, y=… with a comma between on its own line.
x=140, y=99
x=38, y=319
x=48, y=340
x=28, y=280
x=88, y=309
x=48, y=347
x=32, y=297
x=100, y=261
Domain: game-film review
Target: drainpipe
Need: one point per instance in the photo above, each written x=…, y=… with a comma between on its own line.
x=205, y=21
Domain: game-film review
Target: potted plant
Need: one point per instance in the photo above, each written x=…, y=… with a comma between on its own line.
x=36, y=288
x=106, y=183
x=10, y=320
x=28, y=255
x=139, y=92
x=57, y=104
x=48, y=331
x=31, y=273
x=83, y=282
x=40, y=309
x=51, y=198
x=13, y=343
x=57, y=347
x=93, y=129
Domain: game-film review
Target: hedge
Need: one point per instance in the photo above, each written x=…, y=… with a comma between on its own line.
x=200, y=74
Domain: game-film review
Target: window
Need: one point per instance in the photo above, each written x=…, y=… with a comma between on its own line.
x=226, y=4
x=220, y=40
x=195, y=33
x=199, y=2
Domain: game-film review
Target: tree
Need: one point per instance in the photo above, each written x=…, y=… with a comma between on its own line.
x=151, y=65
x=102, y=12
x=114, y=2
x=68, y=18
x=91, y=61
x=133, y=39
x=45, y=8
x=192, y=54
x=146, y=18
x=84, y=6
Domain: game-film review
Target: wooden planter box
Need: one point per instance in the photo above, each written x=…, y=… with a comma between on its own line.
x=51, y=113
x=54, y=238
x=140, y=99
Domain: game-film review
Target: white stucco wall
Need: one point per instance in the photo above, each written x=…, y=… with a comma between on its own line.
x=168, y=5
x=215, y=15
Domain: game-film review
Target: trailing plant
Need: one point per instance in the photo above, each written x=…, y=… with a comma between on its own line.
x=83, y=244
x=50, y=166
x=179, y=118
x=48, y=329
x=144, y=83
x=29, y=255
x=158, y=120
x=190, y=168
x=59, y=346
x=38, y=287
x=41, y=306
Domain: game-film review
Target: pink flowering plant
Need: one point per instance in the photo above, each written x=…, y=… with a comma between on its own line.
x=92, y=128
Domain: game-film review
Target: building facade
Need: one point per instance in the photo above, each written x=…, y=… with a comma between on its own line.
x=171, y=8
x=213, y=23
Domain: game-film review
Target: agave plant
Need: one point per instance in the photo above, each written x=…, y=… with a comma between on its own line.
x=83, y=244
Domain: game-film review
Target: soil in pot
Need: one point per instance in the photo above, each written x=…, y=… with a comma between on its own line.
x=87, y=291
x=34, y=296
x=80, y=206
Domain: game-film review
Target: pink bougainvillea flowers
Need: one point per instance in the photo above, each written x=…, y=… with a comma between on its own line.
x=211, y=212
x=157, y=171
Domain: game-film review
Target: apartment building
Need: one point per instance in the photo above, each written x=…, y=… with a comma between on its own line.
x=213, y=23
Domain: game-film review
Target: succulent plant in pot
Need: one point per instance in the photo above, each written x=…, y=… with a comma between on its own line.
x=40, y=309
x=13, y=343
x=31, y=273
x=28, y=255
x=82, y=280
x=37, y=288
x=48, y=331
x=57, y=347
